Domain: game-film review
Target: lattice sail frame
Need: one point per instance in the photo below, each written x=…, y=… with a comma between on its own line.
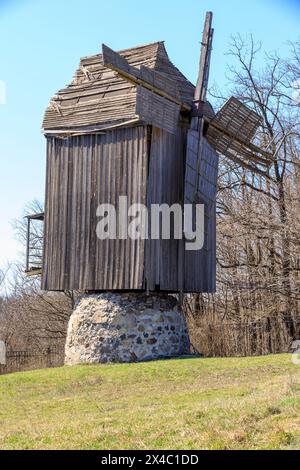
x=231, y=133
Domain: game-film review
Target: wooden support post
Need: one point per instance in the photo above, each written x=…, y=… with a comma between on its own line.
x=27, y=244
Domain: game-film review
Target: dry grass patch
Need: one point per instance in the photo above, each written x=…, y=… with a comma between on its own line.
x=240, y=403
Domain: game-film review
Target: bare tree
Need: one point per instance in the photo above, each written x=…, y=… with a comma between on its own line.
x=31, y=319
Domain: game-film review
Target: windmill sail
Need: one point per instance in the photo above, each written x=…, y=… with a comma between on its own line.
x=231, y=133
x=201, y=159
x=201, y=170
x=201, y=173
x=203, y=77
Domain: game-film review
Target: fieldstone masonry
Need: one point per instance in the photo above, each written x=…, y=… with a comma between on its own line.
x=129, y=327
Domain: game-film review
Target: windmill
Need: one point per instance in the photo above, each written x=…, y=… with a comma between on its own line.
x=130, y=123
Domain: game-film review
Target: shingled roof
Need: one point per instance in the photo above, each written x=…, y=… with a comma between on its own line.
x=99, y=97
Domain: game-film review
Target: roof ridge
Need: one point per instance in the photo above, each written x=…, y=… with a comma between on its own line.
x=165, y=52
x=141, y=46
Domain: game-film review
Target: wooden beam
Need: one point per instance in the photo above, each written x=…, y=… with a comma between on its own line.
x=150, y=79
x=27, y=244
x=249, y=167
x=207, y=38
x=207, y=67
x=250, y=145
x=33, y=272
x=72, y=132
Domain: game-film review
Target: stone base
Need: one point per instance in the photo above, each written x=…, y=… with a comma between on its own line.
x=130, y=327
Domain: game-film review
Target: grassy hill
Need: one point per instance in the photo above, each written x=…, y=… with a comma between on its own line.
x=248, y=403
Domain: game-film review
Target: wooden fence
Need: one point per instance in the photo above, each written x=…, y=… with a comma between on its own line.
x=18, y=361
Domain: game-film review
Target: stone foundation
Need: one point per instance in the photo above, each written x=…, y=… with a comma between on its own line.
x=131, y=327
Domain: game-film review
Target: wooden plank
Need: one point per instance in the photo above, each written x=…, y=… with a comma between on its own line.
x=82, y=173
x=201, y=87
x=157, y=111
x=237, y=120
x=34, y=272
x=224, y=141
x=200, y=188
x=150, y=78
x=231, y=133
x=207, y=173
x=193, y=142
x=103, y=111
x=248, y=166
x=165, y=258
x=155, y=82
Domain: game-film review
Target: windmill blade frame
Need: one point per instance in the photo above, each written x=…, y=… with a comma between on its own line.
x=231, y=133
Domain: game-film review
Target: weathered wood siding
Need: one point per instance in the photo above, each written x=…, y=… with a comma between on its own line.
x=168, y=265
x=200, y=187
x=164, y=258
x=83, y=172
x=156, y=110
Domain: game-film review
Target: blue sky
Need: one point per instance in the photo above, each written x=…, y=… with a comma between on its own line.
x=42, y=41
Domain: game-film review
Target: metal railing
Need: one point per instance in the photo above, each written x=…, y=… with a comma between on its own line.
x=19, y=361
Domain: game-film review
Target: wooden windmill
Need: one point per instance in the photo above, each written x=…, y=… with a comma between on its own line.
x=131, y=124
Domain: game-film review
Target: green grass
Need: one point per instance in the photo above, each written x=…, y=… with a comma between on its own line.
x=248, y=403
